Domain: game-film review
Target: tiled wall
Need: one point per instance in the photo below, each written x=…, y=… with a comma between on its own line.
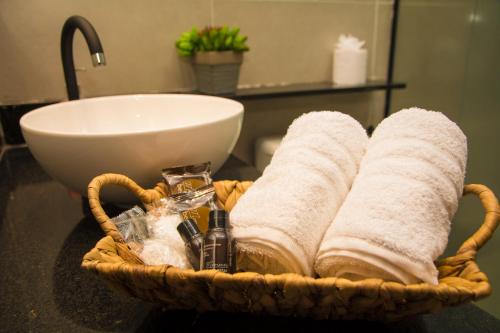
x=290, y=41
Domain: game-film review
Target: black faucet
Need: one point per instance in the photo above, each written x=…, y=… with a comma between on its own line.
x=93, y=42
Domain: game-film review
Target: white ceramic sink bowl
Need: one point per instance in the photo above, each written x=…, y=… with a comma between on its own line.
x=136, y=135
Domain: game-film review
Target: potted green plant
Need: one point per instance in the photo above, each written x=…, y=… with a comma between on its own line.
x=217, y=54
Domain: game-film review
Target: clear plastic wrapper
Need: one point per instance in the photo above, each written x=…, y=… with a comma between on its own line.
x=132, y=225
x=186, y=201
x=153, y=236
x=157, y=251
x=163, y=222
x=189, y=178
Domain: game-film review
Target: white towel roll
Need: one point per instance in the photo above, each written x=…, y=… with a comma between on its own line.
x=279, y=222
x=396, y=219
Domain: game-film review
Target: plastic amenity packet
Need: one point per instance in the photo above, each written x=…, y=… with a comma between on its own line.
x=184, y=203
x=132, y=225
x=189, y=178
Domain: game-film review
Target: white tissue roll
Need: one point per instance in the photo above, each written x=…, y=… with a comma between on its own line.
x=349, y=67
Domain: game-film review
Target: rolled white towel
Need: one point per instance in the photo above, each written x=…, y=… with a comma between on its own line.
x=279, y=222
x=396, y=219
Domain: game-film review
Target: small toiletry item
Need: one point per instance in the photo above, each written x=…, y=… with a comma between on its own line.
x=193, y=238
x=132, y=225
x=349, y=61
x=185, y=202
x=218, y=245
x=194, y=199
x=157, y=251
x=161, y=225
x=164, y=245
x=188, y=178
x=168, y=238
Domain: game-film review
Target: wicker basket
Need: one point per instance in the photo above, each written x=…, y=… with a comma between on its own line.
x=460, y=279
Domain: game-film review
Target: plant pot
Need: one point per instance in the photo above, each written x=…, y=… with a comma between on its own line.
x=217, y=72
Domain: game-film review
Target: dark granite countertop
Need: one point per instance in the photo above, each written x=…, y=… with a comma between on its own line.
x=44, y=233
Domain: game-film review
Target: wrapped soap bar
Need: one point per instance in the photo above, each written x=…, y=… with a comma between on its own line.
x=185, y=179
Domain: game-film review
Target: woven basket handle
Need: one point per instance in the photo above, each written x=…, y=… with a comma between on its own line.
x=491, y=218
x=94, y=188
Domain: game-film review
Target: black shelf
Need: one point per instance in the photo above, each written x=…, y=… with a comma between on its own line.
x=314, y=88
x=301, y=89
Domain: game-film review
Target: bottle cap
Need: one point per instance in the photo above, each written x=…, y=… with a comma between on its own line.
x=217, y=218
x=188, y=229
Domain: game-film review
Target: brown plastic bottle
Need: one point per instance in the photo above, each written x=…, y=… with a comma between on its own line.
x=193, y=240
x=218, y=246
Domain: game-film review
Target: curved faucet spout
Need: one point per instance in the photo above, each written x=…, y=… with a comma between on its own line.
x=93, y=42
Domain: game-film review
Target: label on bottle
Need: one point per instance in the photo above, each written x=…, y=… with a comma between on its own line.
x=215, y=254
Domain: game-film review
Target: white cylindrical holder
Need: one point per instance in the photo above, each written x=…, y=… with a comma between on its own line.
x=264, y=150
x=349, y=67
